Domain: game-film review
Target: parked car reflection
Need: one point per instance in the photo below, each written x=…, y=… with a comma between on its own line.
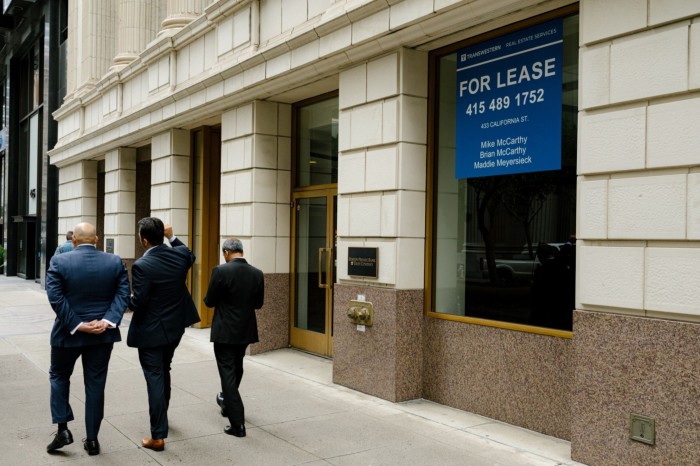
x=520, y=268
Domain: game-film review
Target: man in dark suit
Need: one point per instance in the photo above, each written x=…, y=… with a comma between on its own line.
x=88, y=290
x=163, y=308
x=236, y=290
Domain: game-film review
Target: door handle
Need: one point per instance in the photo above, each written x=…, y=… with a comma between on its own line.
x=321, y=252
x=329, y=268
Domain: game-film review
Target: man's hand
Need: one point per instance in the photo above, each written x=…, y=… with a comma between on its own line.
x=168, y=231
x=103, y=324
x=95, y=327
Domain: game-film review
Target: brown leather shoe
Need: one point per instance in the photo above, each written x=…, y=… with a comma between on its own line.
x=153, y=444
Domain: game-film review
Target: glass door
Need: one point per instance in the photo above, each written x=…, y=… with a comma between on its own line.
x=313, y=265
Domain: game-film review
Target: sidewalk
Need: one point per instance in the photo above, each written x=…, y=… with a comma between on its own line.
x=294, y=413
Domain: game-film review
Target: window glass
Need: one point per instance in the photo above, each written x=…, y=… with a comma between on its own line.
x=317, y=143
x=3, y=106
x=36, y=63
x=503, y=246
x=63, y=21
x=31, y=79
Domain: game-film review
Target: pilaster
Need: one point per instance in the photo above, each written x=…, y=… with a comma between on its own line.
x=170, y=179
x=77, y=195
x=381, y=203
x=255, y=195
x=255, y=182
x=381, y=181
x=92, y=42
x=120, y=200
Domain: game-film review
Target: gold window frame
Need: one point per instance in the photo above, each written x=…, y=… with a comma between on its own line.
x=430, y=273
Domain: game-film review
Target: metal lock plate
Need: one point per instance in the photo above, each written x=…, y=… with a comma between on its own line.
x=642, y=429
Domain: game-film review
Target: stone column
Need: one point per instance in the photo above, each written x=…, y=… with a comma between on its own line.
x=381, y=203
x=180, y=13
x=170, y=180
x=137, y=25
x=120, y=200
x=71, y=52
x=255, y=195
x=77, y=196
x=637, y=229
x=91, y=44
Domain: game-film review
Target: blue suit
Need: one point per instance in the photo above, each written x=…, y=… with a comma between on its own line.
x=163, y=308
x=84, y=285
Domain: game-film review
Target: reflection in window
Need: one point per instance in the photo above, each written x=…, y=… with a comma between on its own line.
x=503, y=246
x=317, y=143
x=31, y=79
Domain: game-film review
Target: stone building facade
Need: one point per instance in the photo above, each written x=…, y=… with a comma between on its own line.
x=327, y=134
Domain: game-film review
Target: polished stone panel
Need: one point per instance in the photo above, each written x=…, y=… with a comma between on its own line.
x=385, y=359
x=273, y=318
x=520, y=378
x=632, y=365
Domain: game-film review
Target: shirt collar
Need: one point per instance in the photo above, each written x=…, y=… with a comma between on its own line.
x=151, y=248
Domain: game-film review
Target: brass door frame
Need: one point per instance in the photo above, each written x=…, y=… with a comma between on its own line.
x=207, y=244
x=318, y=343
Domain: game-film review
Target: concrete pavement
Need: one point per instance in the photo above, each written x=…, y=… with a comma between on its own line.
x=294, y=413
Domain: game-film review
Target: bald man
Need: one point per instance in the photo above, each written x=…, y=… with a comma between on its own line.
x=88, y=290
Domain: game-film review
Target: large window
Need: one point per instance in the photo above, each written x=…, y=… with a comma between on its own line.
x=30, y=106
x=317, y=142
x=503, y=245
x=31, y=67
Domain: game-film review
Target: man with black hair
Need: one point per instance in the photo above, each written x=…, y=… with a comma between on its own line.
x=163, y=308
x=236, y=290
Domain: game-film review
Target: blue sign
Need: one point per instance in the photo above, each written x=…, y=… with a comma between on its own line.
x=509, y=103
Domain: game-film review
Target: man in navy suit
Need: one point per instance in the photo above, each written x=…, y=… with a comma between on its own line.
x=236, y=290
x=88, y=290
x=163, y=308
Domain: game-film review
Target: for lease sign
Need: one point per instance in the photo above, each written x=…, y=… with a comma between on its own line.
x=509, y=103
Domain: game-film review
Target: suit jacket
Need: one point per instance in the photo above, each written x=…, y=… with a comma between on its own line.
x=65, y=247
x=161, y=302
x=84, y=285
x=236, y=290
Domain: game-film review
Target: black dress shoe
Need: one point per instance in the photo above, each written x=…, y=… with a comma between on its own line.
x=62, y=438
x=237, y=431
x=92, y=447
x=220, y=402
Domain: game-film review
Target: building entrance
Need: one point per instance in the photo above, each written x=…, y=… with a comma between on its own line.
x=204, y=214
x=313, y=265
x=314, y=204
